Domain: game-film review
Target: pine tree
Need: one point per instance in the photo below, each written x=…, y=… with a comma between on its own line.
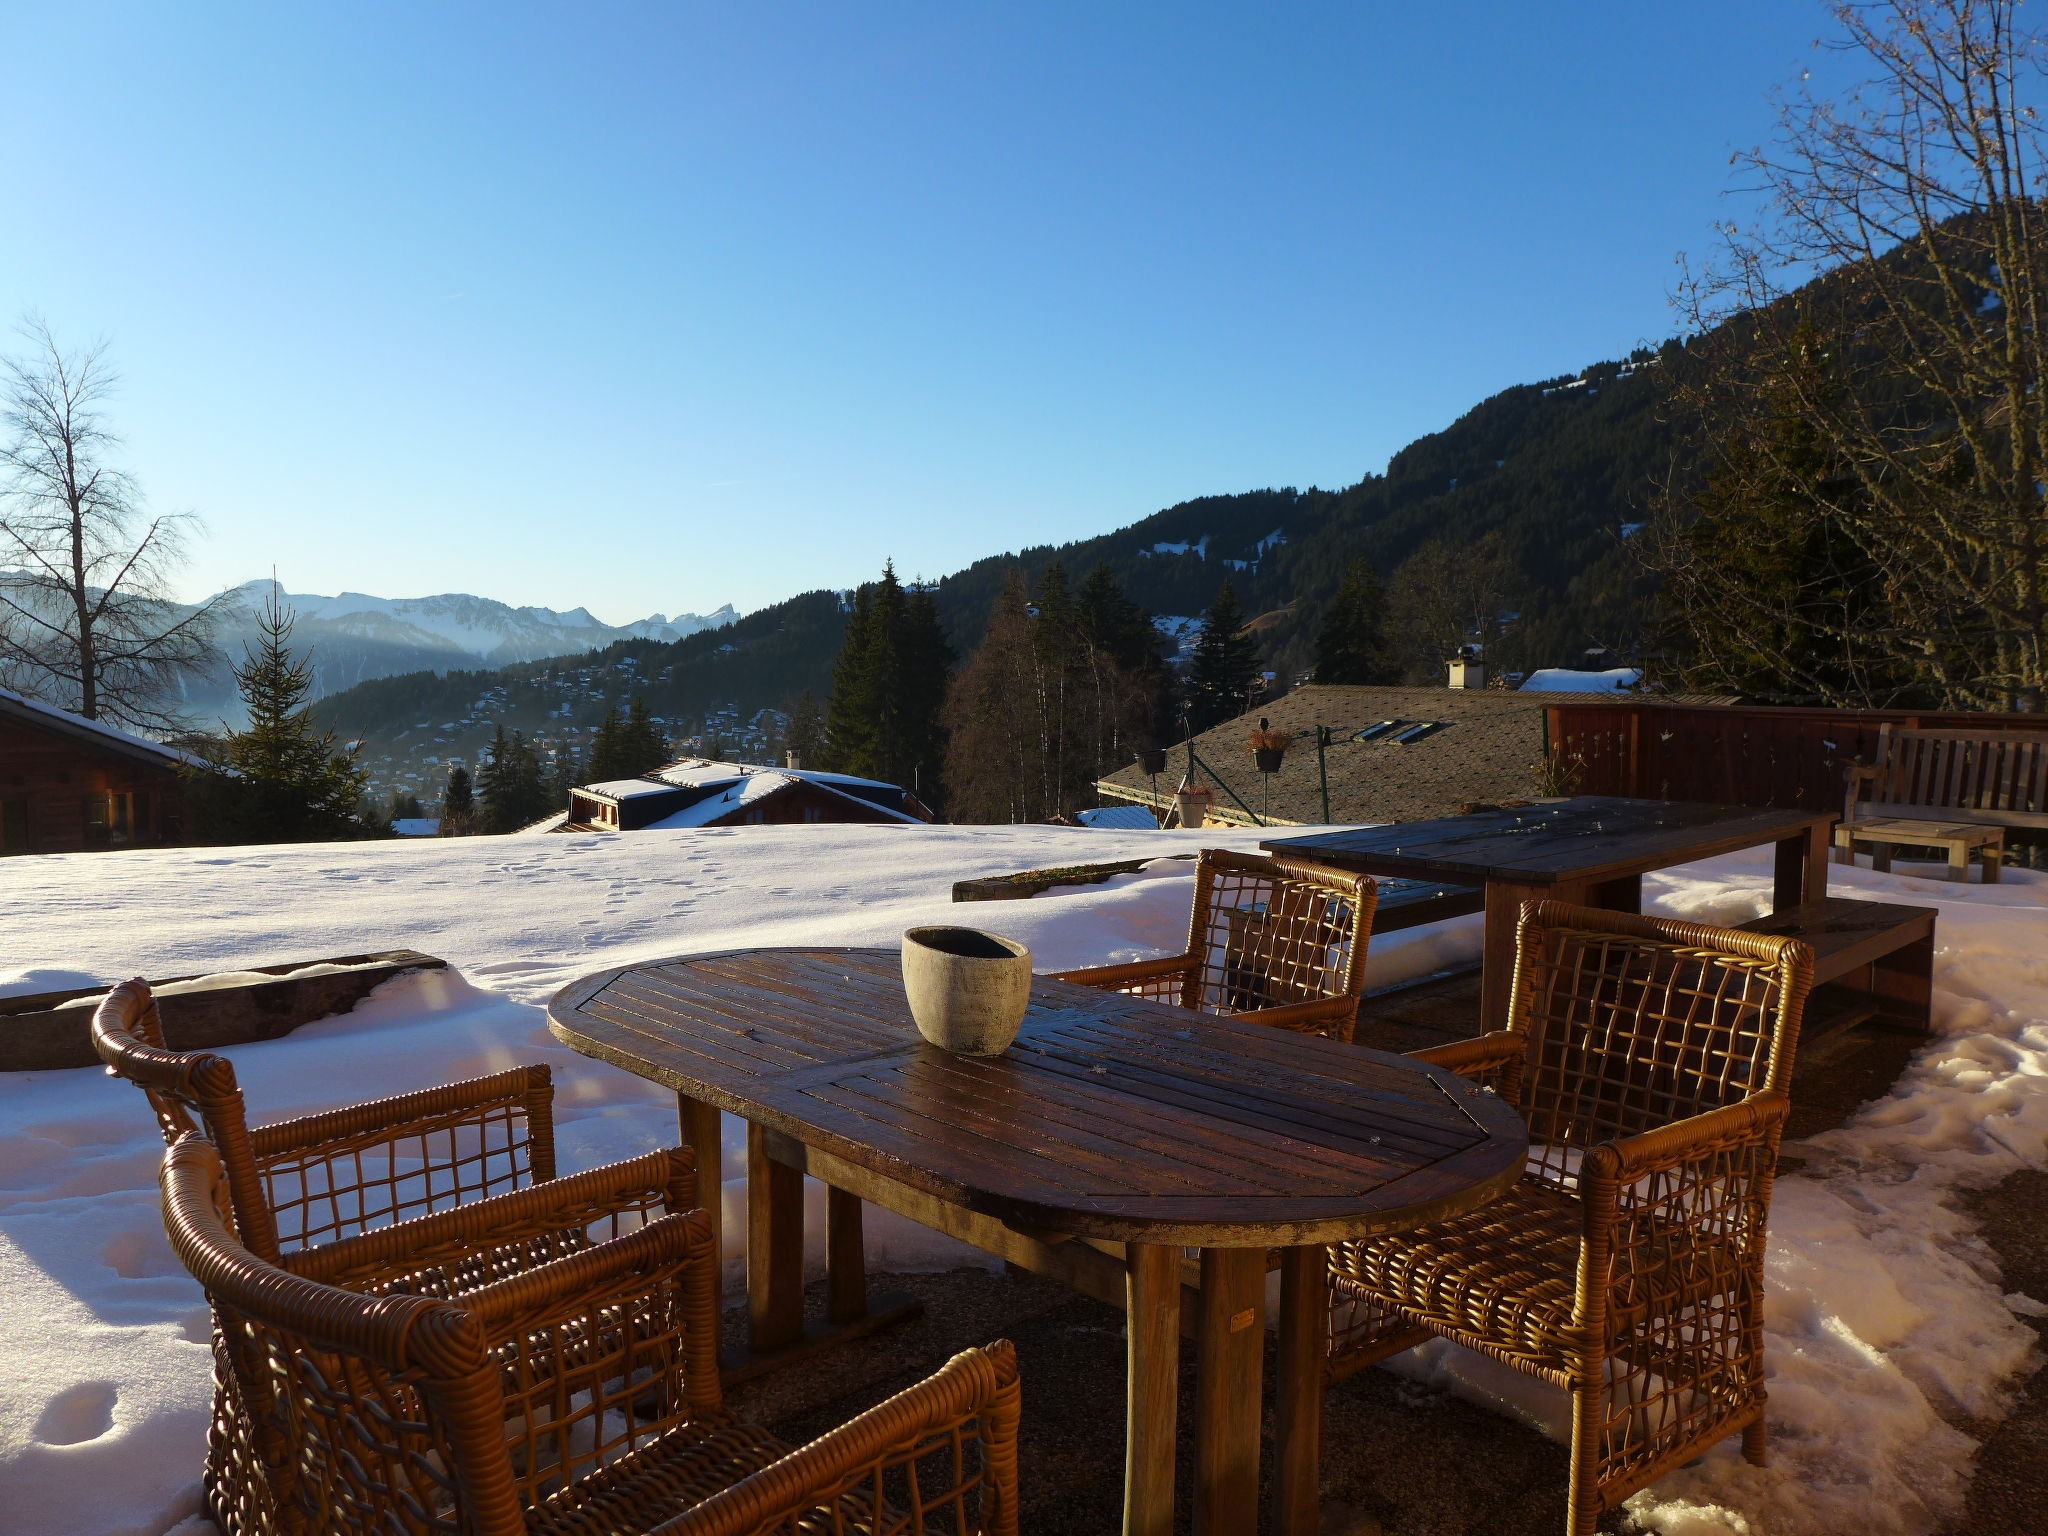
x=1351, y=646
x=607, y=755
x=458, y=804
x=884, y=717
x=293, y=782
x=850, y=707
x=1225, y=667
x=643, y=742
x=509, y=784
x=926, y=672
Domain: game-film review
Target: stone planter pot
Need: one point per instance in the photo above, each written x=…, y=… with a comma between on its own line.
x=968, y=990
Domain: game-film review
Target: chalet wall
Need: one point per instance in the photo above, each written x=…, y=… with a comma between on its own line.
x=1794, y=759
x=60, y=795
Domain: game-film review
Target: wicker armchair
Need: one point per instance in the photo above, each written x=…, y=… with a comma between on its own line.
x=576, y=1397
x=1278, y=941
x=1651, y=1060
x=298, y=1183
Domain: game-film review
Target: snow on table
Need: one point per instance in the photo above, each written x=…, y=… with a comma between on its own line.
x=1884, y=1313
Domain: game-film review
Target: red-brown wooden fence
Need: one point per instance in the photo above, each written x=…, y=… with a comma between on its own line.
x=1734, y=754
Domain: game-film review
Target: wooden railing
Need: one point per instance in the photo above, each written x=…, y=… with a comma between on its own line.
x=1734, y=754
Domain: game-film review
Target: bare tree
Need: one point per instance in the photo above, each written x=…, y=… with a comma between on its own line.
x=86, y=621
x=1447, y=594
x=1870, y=362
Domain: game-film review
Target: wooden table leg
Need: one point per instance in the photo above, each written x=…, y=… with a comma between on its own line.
x=846, y=1259
x=1503, y=914
x=1298, y=1393
x=1230, y=1348
x=703, y=1135
x=1151, y=1386
x=1801, y=868
x=775, y=1249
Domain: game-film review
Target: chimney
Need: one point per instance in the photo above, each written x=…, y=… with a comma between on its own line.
x=1467, y=670
x=792, y=760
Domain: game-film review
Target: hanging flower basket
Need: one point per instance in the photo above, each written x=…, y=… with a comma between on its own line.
x=1269, y=749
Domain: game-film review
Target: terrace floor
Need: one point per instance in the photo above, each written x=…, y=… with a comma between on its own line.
x=1399, y=1458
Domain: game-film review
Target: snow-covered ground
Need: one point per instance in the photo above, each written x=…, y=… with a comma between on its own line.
x=1884, y=1315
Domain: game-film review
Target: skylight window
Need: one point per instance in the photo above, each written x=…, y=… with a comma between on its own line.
x=1399, y=733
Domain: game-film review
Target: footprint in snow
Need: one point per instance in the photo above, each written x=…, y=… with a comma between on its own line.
x=77, y=1414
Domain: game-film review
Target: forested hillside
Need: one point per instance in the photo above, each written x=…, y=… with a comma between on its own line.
x=1512, y=520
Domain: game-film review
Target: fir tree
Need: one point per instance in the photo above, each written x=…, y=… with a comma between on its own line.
x=1225, y=667
x=884, y=718
x=1351, y=646
x=293, y=782
x=607, y=755
x=458, y=804
x=509, y=785
x=850, y=707
x=643, y=742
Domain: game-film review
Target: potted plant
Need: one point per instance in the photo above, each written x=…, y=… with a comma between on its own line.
x=1152, y=760
x=1269, y=747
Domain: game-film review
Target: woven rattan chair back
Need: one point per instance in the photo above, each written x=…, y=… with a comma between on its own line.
x=579, y=1397
x=393, y=1412
x=1637, y=1022
x=351, y=1169
x=1267, y=933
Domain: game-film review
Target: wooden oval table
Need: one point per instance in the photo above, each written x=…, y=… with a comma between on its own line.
x=1113, y=1135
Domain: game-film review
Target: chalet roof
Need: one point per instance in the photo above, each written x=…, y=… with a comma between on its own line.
x=1483, y=747
x=62, y=722
x=697, y=771
x=627, y=789
x=765, y=784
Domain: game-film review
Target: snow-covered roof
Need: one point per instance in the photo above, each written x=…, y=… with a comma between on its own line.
x=698, y=772
x=758, y=785
x=628, y=789
x=1134, y=818
x=77, y=725
x=1565, y=680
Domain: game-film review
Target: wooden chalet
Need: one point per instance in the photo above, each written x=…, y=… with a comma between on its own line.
x=695, y=792
x=69, y=785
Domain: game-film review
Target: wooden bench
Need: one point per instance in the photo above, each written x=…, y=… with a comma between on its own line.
x=1992, y=778
x=1871, y=959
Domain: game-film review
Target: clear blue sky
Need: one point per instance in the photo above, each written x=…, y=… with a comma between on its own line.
x=659, y=306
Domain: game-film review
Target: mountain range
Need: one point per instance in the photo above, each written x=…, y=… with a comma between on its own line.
x=1550, y=479
x=353, y=637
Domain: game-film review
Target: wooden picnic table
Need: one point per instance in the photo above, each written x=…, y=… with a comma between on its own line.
x=1592, y=851
x=1113, y=1135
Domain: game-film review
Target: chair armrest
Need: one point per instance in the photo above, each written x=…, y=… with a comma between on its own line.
x=1119, y=978
x=482, y=1239
x=531, y=1088
x=626, y=1330
x=1329, y=1016
x=1753, y=1122
x=917, y=1424
x=1478, y=1057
